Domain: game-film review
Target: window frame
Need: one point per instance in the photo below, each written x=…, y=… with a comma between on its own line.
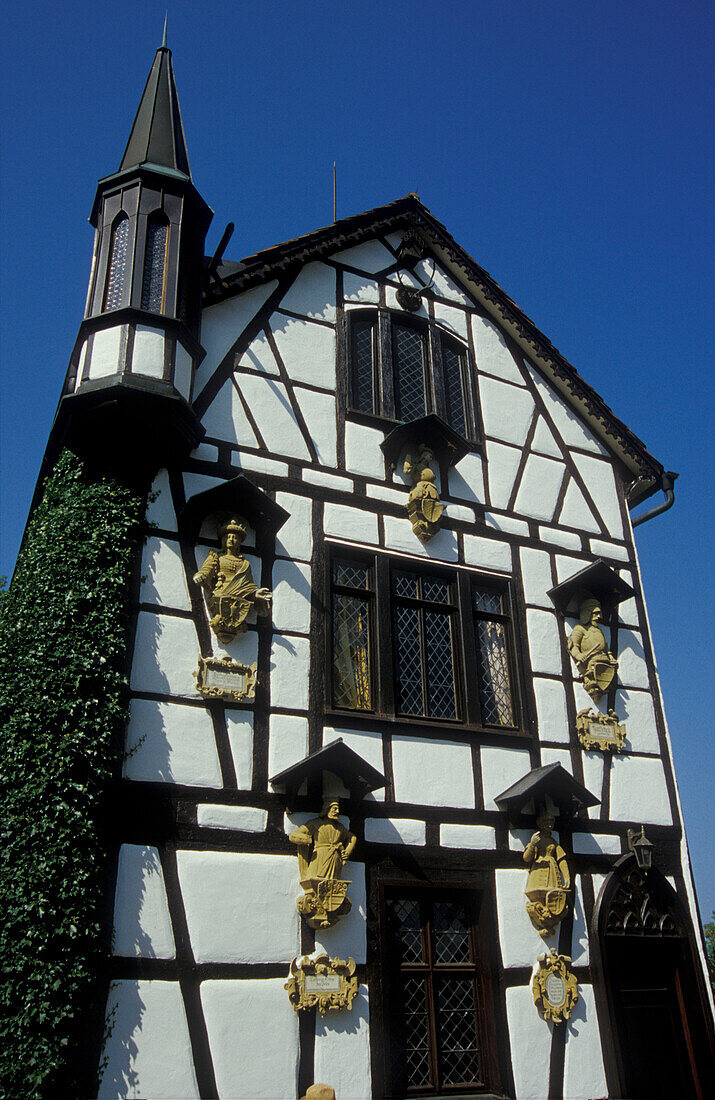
x=382, y=649
x=434, y=339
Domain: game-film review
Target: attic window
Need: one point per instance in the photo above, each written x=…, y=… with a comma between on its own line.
x=403, y=368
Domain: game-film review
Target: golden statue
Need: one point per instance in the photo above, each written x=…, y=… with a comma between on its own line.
x=229, y=587
x=588, y=649
x=423, y=506
x=549, y=882
x=324, y=847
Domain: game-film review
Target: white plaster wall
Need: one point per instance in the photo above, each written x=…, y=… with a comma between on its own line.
x=259, y=356
x=361, y=289
x=226, y=419
x=160, y=510
x=290, y=671
x=244, y=819
x=362, y=450
x=342, y=1050
x=632, y=667
x=274, y=416
x=105, y=352
x=183, y=370
x=350, y=523
x=530, y=1038
x=569, y=426
x=394, y=830
x=287, y=741
x=502, y=465
x=536, y=576
x=593, y=764
x=147, y=1053
x=492, y=354
x=239, y=724
x=171, y=743
x=371, y=256
x=469, y=837
x=639, y=792
x=539, y=488
x=609, y=550
x=544, y=642
x=432, y=773
x=557, y=756
x=240, y=908
x=635, y=708
x=506, y=410
x=148, y=354
x=291, y=596
x=507, y=524
x=400, y=536
x=566, y=567
x=568, y=539
x=584, y=1074
x=319, y=412
x=551, y=710
x=466, y=479
x=455, y=320
x=544, y=442
x=444, y=285
x=601, y=484
x=520, y=943
x=307, y=350
x=259, y=464
x=163, y=575
x=575, y=512
x=142, y=926
x=328, y=481
x=500, y=768
x=313, y=293
x=166, y=653
x=253, y=1036
x=367, y=744
x=595, y=844
x=579, y=935
x=295, y=537
x=222, y=324
x=348, y=938
x=487, y=553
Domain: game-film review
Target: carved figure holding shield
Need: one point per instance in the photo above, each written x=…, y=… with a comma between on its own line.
x=324, y=847
x=423, y=506
x=549, y=882
x=231, y=593
x=588, y=649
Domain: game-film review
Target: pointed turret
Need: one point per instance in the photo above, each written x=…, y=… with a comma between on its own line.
x=131, y=373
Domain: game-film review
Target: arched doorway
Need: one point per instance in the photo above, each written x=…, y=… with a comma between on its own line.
x=652, y=1009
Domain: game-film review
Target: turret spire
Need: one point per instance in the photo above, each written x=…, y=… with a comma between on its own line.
x=157, y=136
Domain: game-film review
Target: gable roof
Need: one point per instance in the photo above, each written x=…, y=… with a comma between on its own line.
x=409, y=212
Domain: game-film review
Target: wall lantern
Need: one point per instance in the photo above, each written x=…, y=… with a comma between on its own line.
x=641, y=847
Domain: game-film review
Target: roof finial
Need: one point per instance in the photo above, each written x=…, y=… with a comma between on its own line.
x=163, y=39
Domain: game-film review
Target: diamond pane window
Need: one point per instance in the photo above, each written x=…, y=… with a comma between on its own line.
x=423, y=644
x=351, y=645
x=408, y=660
x=363, y=353
x=408, y=347
x=454, y=397
x=457, y=1031
x=157, y=237
x=117, y=265
x=491, y=626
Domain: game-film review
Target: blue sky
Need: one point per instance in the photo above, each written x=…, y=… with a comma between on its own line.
x=565, y=146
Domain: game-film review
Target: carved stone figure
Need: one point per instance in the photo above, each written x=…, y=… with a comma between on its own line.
x=549, y=882
x=588, y=649
x=230, y=591
x=323, y=983
x=554, y=987
x=423, y=506
x=324, y=847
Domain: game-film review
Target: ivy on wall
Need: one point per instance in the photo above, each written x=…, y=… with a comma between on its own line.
x=63, y=640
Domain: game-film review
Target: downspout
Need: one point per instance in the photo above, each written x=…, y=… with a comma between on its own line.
x=667, y=484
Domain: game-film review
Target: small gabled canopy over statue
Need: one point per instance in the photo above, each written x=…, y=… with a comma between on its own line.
x=324, y=847
x=549, y=882
x=228, y=584
x=588, y=649
x=424, y=506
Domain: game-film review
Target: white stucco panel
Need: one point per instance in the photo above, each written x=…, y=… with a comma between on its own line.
x=568, y=424
x=584, y=1074
x=342, y=1049
x=274, y=415
x=635, y=708
x=171, y=743
x=468, y=837
x=245, y=819
x=142, y=926
x=147, y=1052
x=507, y=524
x=601, y=484
x=493, y=356
x=432, y=773
x=551, y=710
x=520, y=943
x=394, y=830
x=163, y=576
x=368, y=745
x=256, y=1062
x=349, y=936
x=318, y=409
x=362, y=450
x=287, y=741
x=568, y=539
x=360, y=288
x=239, y=724
x=371, y=256
x=444, y=285
x=105, y=351
x=455, y=320
x=259, y=355
x=240, y=908
x=350, y=523
x=539, y=487
x=290, y=672
x=313, y=293
x=544, y=642
x=295, y=537
x=166, y=652
x=639, y=792
x=148, y=352
x=307, y=350
x=399, y=535
x=603, y=549
x=593, y=765
x=536, y=576
x=502, y=465
x=160, y=509
x=575, y=512
x=596, y=844
x=466, y=479
x=632, y=667
x=222, y=324
x=500, y=768
x=543, y=442
x=226, y=419
x=291, y=596
x=506, y=410
x=530, y=1039
x=487, y=553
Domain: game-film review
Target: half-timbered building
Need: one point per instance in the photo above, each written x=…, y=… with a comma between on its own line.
x=380, y=500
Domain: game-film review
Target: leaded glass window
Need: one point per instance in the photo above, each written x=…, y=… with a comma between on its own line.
x=491, y=624
x=363, y=364
x=408, y=359
x=453, y=369
x=352, y=601
x=423, y=614
x=154, y=276
x=117, y=270
x=435, y=992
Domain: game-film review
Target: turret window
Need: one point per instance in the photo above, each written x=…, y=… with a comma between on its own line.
x=402, y=368
x=117, y=264
x=154, y=278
